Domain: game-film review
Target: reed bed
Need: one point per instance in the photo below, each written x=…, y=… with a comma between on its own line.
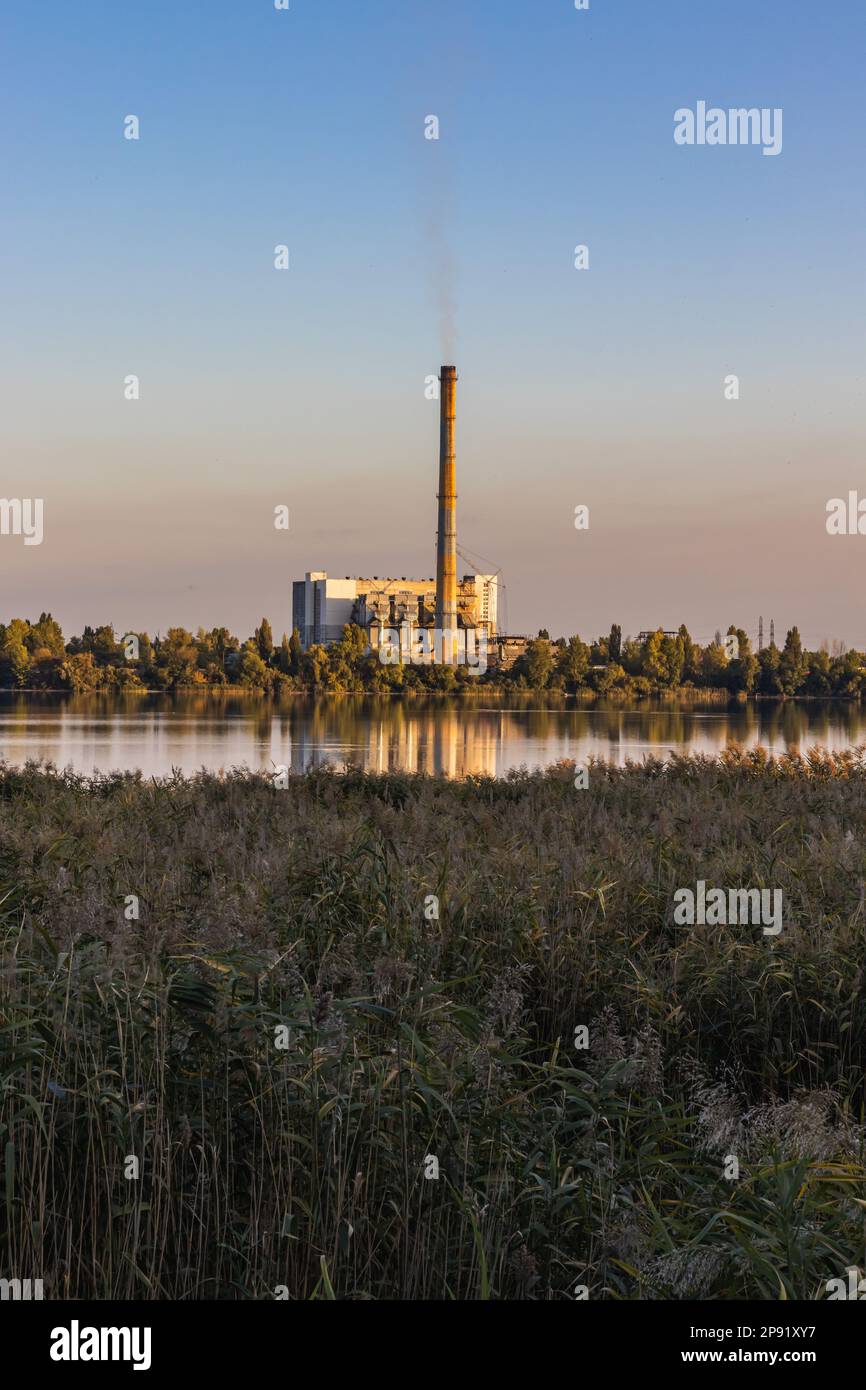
x=563, y=1171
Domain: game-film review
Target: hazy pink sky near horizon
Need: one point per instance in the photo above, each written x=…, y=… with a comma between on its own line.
x=687, y=528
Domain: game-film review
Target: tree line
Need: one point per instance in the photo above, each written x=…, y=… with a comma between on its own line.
x=36, y=656
x=665, y=661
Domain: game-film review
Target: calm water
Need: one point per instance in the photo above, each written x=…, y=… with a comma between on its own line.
x=160, y=732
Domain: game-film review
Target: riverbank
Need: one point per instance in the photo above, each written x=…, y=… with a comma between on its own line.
x=684, y=696
x=286, y=1003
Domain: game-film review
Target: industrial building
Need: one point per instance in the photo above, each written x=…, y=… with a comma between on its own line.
x=322, y=605
x=451, y=608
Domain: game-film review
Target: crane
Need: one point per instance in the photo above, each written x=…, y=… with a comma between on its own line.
x=494, y=574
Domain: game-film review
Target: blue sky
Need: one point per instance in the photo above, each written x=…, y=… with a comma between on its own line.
x=305, y=387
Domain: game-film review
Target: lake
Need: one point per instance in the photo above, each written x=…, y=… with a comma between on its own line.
x=156, y=733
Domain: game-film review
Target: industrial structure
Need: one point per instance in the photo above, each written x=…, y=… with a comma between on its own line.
x=323, y=605
x=455, y=615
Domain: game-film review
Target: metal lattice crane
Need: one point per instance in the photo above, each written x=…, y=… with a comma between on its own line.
x=494, y=574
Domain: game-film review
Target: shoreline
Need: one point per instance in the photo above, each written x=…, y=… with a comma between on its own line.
x=551, y=698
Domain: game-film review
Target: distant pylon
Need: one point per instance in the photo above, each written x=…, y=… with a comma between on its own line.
x=760, y=634
x=772, y=633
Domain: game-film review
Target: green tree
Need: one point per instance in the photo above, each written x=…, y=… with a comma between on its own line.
x=84, y=643
x=295, y=653
x=351, y=647
x=654, y=664
x=264, y=640
x=632, y=657
x=539, y=662
x=46, y=636
x=714, y=666
x=314, y=666
x=106, y=649
x=614, y=642
x=662, y=659
x=847, y=673
x=222, y=643
x=145, y=653
x=818, y=681
x=253, y=670
x=177, y=659
x=673, y=658
x=692, y=656
x=17, y=663
x=612, y=677
x=438, y=677
x=573, y=660
x=793, y=667
x=743, y=669
x=769, y=675
x=119, y=678
x=80, y=673
x=15, y=657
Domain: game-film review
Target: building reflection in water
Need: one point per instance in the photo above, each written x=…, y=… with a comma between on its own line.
x=481, y=736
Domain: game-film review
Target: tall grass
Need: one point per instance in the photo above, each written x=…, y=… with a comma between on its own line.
x=410, y=1035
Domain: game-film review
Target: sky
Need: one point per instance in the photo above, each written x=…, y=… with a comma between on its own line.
x=305, y=388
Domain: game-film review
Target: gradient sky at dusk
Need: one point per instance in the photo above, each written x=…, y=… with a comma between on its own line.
x=306, y=387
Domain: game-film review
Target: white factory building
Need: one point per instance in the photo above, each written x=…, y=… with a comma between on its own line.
x=323, y=605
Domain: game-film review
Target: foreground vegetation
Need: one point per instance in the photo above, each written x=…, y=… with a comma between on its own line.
x=414, y=1035
x=36, y=656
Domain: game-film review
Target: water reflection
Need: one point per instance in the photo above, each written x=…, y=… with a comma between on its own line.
x=159, y=732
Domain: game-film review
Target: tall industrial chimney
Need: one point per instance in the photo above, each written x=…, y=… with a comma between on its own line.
x=446, y=536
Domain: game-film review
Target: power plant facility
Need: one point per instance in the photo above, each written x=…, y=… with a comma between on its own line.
x=446, y=615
